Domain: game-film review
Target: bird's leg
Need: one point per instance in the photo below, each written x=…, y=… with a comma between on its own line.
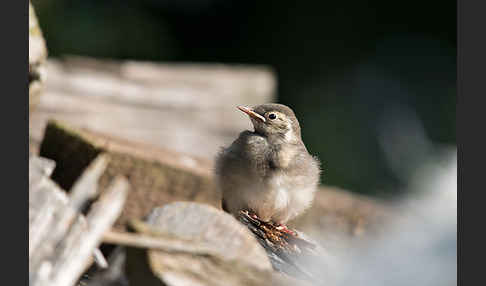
x=277, y=226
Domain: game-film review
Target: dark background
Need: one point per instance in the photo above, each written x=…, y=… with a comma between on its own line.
x=343, y=66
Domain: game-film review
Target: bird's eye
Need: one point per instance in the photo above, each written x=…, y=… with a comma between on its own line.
x=272, y=116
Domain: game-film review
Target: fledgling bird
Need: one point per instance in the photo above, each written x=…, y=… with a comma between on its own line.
x=268, y=171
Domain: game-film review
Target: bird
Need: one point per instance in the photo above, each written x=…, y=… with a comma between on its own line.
x=268, y=171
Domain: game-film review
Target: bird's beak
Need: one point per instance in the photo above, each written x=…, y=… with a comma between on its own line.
x=251, y=113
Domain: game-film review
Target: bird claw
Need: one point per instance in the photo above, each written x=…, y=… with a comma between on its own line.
x=285, y=229
x=278, y=226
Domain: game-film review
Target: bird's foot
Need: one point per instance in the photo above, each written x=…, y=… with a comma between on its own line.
x=270, y=224
x=285, y=229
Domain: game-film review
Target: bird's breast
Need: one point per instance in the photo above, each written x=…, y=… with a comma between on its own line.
x=279, y=188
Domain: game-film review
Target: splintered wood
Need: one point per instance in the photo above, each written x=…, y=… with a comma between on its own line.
x=276, y=237
x=62, y=242
x=289, y=251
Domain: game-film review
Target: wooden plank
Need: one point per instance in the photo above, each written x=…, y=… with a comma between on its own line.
x=157, y=176
x=188, y=108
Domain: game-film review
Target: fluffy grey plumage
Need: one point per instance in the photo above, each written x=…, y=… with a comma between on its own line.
x=268, y=171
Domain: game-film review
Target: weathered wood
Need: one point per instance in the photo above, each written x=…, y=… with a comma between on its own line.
x=289, y=251
x=45, y=199
x=160, y=176
x=100, y=259
x=76, y=249
x=37, y=58
x=216, y=229
x=230, y=256
x=86, y=188
x=39, y=169
x=156, y=176
x=188, y=108
x=114, y=275
x=61, y=241
x=160, y=242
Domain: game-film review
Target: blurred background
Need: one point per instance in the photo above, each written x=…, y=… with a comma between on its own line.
x=373, y=83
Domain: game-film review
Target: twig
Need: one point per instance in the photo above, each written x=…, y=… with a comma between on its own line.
x=156, y=242
x=86, y=187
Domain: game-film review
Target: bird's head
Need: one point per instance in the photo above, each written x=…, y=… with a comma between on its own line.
x=274, y=120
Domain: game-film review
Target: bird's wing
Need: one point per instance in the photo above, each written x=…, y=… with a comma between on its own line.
x=247, y=154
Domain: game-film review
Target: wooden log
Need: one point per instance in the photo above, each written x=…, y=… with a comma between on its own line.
x=61, y=241
x=187, y=108
x=290, y=251
x=220, y=250
x=156, y=176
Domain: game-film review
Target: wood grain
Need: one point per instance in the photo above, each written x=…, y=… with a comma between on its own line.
x=188, y=108
x=62, y=242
